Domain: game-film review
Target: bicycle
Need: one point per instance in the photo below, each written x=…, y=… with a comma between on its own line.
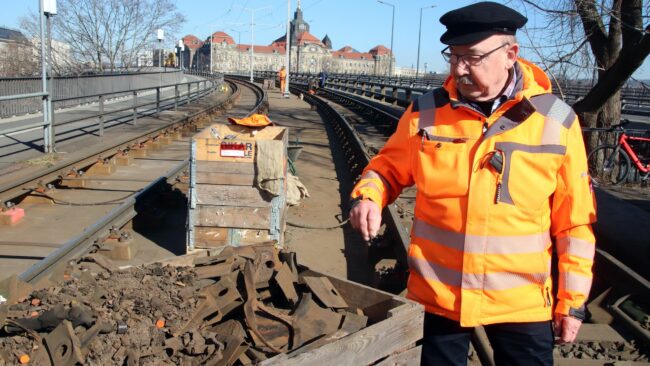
x=610, y=164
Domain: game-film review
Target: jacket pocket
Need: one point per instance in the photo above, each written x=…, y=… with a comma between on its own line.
x=531, y=179
x=443, y=167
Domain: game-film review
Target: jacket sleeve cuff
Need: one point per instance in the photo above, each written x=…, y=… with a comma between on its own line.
x=564, y=308
x=369, y=194
x=370, y=188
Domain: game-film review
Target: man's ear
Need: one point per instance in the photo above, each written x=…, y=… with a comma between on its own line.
x=512, y=54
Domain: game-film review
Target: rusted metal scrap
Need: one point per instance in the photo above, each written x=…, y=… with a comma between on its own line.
x=239, y=307
x=325, y=292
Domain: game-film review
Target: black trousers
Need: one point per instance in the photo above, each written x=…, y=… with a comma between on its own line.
x=445, y=342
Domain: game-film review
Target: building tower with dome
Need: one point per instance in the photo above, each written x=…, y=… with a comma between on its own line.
x=308, y=54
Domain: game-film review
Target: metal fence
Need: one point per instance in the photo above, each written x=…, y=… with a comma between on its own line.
x=184, y=89
x=402, y=90
x=70, y=91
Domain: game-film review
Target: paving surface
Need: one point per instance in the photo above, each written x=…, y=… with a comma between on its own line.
x=321, y=167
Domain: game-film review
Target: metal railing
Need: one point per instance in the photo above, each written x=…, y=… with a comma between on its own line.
x=183, y=92
x=403, y=90
x=67, y=91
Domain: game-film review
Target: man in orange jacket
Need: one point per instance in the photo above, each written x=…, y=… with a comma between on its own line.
x=501, y=175
x=282, y=75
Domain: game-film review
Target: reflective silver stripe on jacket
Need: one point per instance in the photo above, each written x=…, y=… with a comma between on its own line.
x=575, y=247
x=575, y=282
x=427, y=111
x=477, y=244
x=496, y=281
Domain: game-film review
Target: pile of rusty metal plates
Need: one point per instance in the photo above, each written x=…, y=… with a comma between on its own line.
x=243, y=306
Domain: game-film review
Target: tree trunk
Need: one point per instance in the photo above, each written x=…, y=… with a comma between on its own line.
x=610, y=113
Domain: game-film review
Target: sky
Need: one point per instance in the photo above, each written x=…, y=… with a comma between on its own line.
x=362, y=24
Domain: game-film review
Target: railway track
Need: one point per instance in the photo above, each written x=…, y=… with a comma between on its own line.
x=618, y=330
x=118, y=199
x=96, y=204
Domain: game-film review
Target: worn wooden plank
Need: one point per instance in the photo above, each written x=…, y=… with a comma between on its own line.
x=225, y=178
x=225, y=167
x=220, y=195
x=228, y=216
x=410, y=357
x=214, y=237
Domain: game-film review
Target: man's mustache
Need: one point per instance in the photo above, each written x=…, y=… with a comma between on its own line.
x=464, y=80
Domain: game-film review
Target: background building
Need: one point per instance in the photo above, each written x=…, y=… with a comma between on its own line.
x=16, y=57
x=308, y=54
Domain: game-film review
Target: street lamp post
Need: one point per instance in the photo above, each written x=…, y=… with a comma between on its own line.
x=287, y=46
x=392, y=31
x=253, y=36
x=417, y=68
x=47, y=9
x=160, y=36
x=181, y=48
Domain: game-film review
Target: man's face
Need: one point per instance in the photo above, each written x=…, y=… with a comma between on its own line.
x=484, y=72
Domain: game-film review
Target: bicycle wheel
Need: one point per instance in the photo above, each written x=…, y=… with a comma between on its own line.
x=608, y=165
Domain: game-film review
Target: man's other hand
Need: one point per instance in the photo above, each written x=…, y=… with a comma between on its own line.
x=566, y=328
x=365, y=217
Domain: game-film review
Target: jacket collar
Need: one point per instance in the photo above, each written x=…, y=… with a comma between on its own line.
x=530, y=80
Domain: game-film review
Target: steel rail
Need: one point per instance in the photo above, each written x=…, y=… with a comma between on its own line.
x=361, y=158
x=261, y=93
x=96, y=233
x=118, y=217
x=14, y=189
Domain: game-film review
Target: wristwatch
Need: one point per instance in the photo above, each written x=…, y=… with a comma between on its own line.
x=578, y=313
x=355, y=201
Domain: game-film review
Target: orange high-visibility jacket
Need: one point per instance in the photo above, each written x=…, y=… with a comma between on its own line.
x=282, y=74
x=494, y=196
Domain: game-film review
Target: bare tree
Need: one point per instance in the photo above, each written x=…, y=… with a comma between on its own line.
x=607, y=39
x=109, y=33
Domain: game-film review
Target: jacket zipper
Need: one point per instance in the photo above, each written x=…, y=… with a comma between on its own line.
x=548, y=296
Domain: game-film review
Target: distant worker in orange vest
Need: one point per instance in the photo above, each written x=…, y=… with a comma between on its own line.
x=282, y=75
x=502, y=184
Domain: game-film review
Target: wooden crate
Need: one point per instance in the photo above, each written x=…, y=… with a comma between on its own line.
x=395, y=324
x=225, y=207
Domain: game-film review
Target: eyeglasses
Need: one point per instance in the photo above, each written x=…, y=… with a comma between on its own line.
x=471, y=60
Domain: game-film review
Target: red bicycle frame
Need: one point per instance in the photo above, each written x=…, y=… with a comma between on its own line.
x=622, y=141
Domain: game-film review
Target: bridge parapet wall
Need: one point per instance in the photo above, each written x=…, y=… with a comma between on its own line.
x=70, y=91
